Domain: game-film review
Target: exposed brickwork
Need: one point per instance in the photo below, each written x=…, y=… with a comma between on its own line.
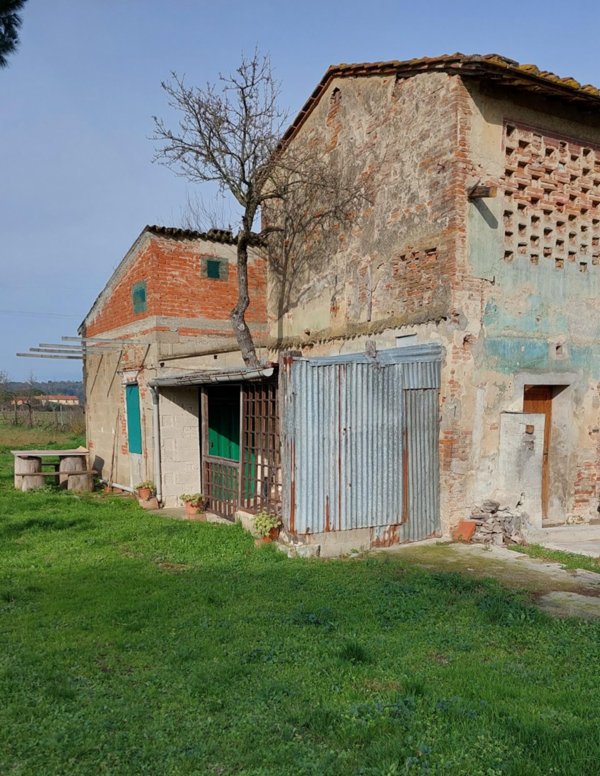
x=398, y=254
x=418, y=277
x=552, y=198
x=177, y=287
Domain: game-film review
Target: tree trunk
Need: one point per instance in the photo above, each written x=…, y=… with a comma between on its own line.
x=238, y=314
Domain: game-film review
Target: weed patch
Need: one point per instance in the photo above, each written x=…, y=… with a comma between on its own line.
x=568, y=560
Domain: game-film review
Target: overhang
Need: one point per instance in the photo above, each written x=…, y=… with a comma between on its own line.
x=208, y=376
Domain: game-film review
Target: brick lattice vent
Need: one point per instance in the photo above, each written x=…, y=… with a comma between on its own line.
x=552, y=199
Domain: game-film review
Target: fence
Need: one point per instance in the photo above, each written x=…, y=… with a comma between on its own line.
x=63, y=417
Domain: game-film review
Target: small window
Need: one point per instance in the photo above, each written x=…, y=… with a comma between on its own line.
x=138, y=297
x=214, y=268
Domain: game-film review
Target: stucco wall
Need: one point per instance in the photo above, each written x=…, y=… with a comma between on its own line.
x=106, y=374
x=420, y=256
x=533, y=251
x=394, y=258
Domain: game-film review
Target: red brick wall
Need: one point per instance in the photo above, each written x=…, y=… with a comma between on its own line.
x=175, y=287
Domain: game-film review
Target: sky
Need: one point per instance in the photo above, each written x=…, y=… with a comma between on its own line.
x=77, y=181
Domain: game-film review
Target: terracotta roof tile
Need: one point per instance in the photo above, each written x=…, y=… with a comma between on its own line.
x=488, y=67
x=213, y=235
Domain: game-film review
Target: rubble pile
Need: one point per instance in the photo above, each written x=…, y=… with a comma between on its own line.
x=498, y=524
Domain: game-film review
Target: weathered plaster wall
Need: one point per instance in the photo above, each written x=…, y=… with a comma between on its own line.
x=395, y=260
x=395, y=271
x=106, y=422
x=420, y=253
x=534, y=252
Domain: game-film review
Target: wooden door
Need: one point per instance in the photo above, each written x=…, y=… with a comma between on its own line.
x=538, y=399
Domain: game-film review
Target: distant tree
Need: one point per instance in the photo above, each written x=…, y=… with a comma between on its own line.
x=10, y=22
x=231, y=134
x=5, y=394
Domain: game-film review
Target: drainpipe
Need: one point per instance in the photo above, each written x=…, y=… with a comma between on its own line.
x=156, y=443
x=110, y=484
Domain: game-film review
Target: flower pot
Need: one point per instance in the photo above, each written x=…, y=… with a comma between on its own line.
x=144, y=494
x=272, y=535
x=194, y=511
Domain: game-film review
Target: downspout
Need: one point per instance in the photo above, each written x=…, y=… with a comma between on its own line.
x=156, y=443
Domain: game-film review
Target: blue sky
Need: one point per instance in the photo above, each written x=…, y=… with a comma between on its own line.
x=77, y=183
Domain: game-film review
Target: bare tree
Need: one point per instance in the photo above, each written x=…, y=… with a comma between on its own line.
x=4, y=393
x=230, y=134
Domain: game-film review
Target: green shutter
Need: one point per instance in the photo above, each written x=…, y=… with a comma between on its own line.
x=134, y=421
x=138, y=297
x=213, y=269
x=224, y=423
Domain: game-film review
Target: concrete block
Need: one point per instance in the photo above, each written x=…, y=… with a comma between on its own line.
x=307, y=550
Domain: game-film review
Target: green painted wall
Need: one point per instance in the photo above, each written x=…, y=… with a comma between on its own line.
x=532, y=307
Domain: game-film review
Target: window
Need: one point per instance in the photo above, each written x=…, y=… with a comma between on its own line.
x=214, y=268
x=138, y=297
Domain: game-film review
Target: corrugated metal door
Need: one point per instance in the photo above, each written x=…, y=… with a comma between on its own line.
x=347, y=415
x=359, y=442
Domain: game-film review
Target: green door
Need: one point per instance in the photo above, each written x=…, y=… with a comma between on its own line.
x=224, y=422
x=223, y=442
x=134, y=422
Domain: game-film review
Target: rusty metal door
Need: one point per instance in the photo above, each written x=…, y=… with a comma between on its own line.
x=359, y=442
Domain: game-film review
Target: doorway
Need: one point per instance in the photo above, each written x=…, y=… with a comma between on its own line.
x=222, y=448
x=241, y=460
x=537, y=399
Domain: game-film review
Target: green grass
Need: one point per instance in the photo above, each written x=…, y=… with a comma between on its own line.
x=568, y=560
x=134, y=644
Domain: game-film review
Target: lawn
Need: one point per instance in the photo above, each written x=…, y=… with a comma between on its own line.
x=135, y=644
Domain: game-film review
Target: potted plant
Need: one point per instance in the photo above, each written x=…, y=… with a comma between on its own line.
x=193, y=503
x=267, y=526
x=145, y=490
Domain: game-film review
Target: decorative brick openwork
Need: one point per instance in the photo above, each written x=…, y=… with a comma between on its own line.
x=551, y=199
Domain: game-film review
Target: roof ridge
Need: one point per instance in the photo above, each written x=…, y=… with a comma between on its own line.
x=493, y=67
x=213, y=235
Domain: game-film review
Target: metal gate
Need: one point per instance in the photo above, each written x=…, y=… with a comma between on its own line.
x=241, y=448
x=360, y=442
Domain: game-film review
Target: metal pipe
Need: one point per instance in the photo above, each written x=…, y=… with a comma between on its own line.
x=116, y=485
x=156, y=442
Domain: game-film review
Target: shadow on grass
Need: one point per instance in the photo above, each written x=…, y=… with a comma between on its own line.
x=172, y=635
x=18, y=527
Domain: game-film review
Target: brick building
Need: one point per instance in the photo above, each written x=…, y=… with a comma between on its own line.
x=173, y=289
x=481, y=233
x=469, y=277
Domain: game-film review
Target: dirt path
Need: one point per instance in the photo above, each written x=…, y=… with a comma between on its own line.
x=559, y=591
